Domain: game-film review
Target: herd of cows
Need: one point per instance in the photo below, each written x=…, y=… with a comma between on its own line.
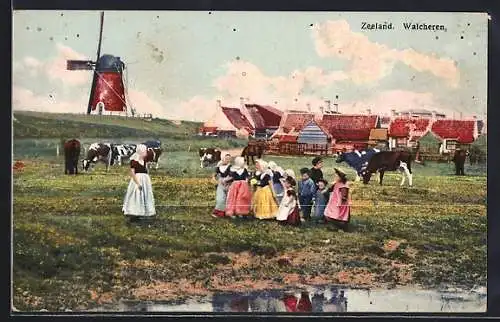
x=107, y=153
x=366, y=162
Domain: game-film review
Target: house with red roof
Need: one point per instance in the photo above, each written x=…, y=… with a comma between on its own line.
x=405, y=131
x=455, y=133
x=349, y=131
x=228, y=122
x=266, y=119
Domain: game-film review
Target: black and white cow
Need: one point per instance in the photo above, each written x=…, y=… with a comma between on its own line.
x=389, y=161
x=121, y=152
x=209, y=156
x=357, y=159
x=98, y=152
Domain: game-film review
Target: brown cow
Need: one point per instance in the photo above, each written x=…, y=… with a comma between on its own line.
x=252, y=150
x=71, y=154
x=153, y=156
x=459, y=161
x=389, y=161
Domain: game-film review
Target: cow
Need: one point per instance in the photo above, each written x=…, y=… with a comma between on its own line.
x=120, y=152
x=356, y=159
x=209, y=156
x=98, y=152
x=389, y=161
x=252, y=150
x=459, y=160
x=153, y=157
x=71, y=154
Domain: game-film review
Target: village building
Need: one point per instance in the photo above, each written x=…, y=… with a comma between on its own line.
x=265, y=119
x=378, y=139
x=285, y=139
x=228, y=122
x=349, y=132
x=404, y=132
x=454, y=134
x=313, y=139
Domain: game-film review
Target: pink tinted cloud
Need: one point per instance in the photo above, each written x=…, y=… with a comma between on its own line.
x=371, y=61
x=24, y=99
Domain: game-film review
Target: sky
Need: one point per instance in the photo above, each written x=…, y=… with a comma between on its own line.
x=179, y=63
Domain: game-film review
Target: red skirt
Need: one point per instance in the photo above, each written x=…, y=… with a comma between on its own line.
x=239, y=199
x=294, y=218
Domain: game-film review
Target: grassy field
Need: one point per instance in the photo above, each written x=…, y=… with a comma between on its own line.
x=73, y=249
x=52, y=125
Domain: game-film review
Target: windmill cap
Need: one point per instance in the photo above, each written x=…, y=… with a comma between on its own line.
x=109, y=63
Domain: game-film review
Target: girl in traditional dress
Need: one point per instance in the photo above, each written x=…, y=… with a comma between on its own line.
x=139, y=201
x=264, y=205
x=338, y=209
x=277, y=185
x=288, y=211
x=239, y=197
x=222, y=177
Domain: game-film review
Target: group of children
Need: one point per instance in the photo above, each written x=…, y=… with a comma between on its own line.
x=270, y=193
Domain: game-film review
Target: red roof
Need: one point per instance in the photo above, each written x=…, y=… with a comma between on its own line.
x=288, y=138
x=208, y=129
x=237, y=119
x=344, y=127
x=264, y=116
x=400, y=127
x=462, y=130
x=296, y=121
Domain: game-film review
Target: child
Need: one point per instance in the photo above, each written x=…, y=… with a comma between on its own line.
x=322, y=196
x=338, y=209
x=139, y=201
x=316, y=173
x=277, y=185
x=288, y=211
x=222, y=178
x=307, y=190
x=264, y=205
x=239, y=196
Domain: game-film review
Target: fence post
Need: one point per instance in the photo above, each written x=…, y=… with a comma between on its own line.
x=57, y=149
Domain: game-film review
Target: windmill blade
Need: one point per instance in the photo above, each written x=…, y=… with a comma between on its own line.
x=100, y=36
x=94, y=78
x=79, y=65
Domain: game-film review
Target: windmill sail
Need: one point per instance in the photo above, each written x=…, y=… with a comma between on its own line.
x=94, y=78
x=80, y=65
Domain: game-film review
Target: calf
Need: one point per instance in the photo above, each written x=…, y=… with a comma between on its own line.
x=459, y=160
x=356, y=159
x=120, y=152
x=71, y=155
x=209, y=156
x=98, y=152
x=153, y=156
x=389, y=161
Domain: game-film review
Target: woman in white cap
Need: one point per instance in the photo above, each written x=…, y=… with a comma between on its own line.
x=239, y=197
x=264, y=205
x=221, y=176
x=139, y=201
x=277, y=185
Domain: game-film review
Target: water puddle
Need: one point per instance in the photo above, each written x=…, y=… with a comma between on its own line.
x=321, y=299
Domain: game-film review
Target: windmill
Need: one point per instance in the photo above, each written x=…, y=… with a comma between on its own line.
x=108, y=90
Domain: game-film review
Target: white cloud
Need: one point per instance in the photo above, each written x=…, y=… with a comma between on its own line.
x=371, y=61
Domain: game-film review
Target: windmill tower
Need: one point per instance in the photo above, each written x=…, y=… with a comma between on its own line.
x=108, y=91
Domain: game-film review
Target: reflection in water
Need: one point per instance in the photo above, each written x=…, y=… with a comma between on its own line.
x=278, y=301
x=323, y=299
